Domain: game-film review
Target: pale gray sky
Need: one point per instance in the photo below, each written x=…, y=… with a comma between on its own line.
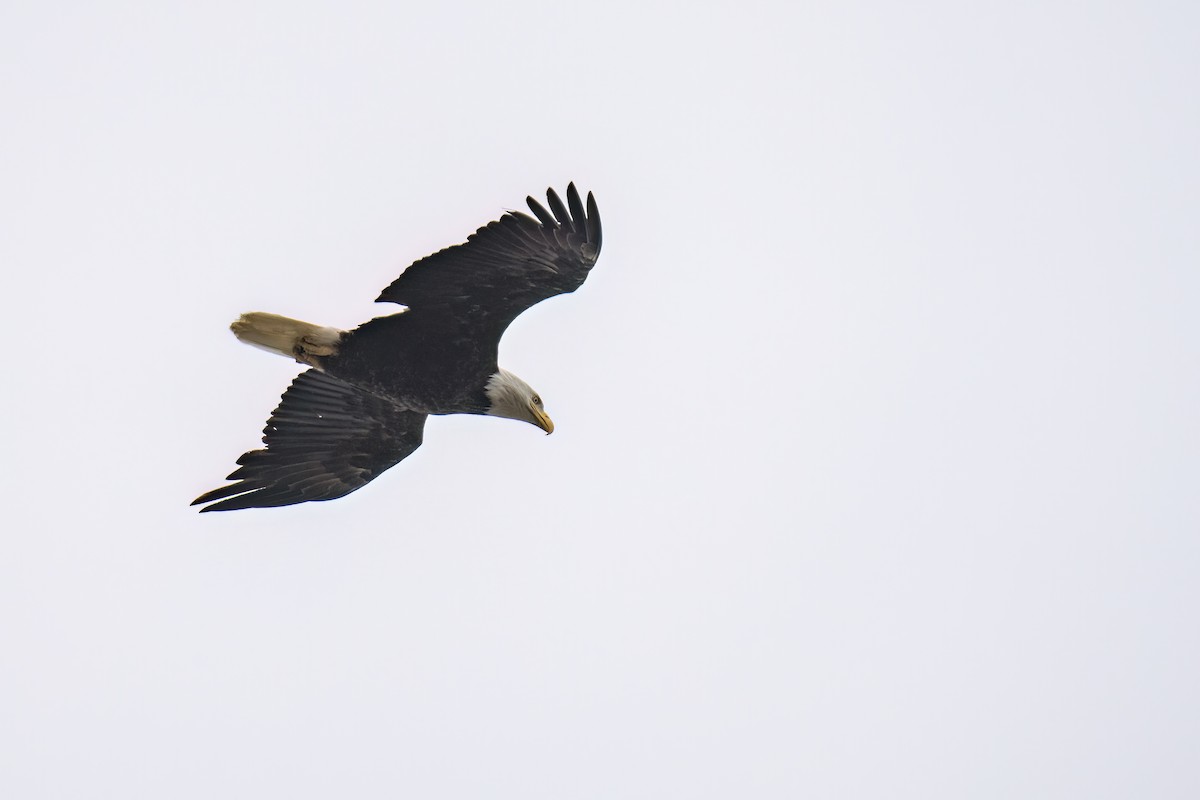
x=877, y=456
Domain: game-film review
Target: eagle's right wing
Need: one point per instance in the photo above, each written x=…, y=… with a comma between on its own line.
x=325, y=440
x=504, y=267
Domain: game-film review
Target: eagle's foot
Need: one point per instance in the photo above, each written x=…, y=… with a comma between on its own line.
x=313, y=347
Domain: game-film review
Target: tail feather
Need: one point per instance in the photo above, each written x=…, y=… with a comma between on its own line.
x=303, y=341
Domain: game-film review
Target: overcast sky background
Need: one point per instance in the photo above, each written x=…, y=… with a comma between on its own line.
x=877, y=462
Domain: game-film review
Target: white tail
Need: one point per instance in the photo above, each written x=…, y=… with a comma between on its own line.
x=302, y=341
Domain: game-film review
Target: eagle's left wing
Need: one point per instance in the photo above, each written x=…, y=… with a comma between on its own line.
x=325, y=440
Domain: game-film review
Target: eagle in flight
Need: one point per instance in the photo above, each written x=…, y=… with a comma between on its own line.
x=361, y=406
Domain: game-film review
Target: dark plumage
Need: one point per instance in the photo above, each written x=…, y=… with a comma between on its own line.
x=362, y=407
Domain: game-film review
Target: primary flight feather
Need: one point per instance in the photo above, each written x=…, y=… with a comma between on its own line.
x=362, y=405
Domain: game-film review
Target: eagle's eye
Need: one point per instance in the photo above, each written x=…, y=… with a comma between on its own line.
x=537, y=401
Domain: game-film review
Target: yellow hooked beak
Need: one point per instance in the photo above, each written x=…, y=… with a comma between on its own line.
x=542, y=420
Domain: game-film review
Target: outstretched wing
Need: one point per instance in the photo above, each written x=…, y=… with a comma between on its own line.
x=506, y=266
x=325, y=440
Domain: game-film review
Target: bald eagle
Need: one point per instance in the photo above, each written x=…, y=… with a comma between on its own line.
x=362, y=405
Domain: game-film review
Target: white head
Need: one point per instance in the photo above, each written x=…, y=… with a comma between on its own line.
x=511, y=397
